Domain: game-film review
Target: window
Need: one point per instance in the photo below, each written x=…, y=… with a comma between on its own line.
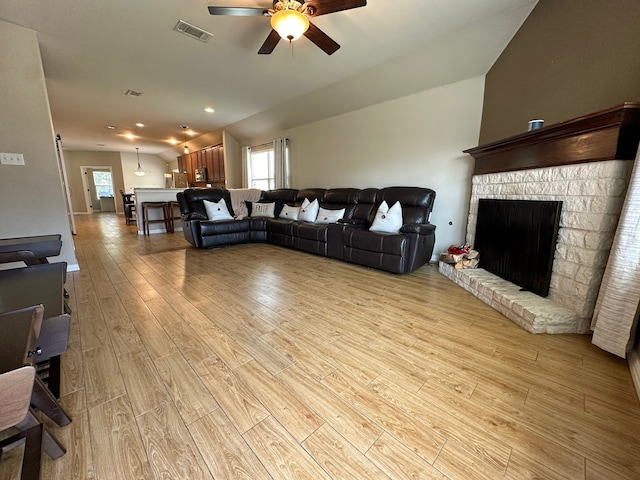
x=262, y=171
x=103, y=183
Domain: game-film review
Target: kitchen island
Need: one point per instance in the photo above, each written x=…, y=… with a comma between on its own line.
x=156, y=195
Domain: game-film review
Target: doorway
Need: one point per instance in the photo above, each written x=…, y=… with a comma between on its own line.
x=97, y=183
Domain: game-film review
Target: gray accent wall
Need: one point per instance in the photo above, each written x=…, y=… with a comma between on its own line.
x=32, y=199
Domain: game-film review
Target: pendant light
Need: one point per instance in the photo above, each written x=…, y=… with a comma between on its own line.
x=139, y=171
x=184, y=131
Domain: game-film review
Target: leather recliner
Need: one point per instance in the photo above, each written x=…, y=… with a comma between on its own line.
x=349, y=239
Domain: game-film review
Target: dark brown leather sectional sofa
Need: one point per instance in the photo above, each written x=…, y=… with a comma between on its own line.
x=349, y=239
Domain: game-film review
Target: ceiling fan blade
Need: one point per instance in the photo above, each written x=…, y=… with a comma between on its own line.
x=322, y=7
x=270, y=43
x=239, y=11
x=321, y=39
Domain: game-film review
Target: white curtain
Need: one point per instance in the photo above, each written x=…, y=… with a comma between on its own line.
x=282, y=175
x=615, y=317
x=246, y=166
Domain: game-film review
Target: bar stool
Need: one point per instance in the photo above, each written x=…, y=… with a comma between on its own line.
x=148, y=206
x=129, y=207
x=171, y=214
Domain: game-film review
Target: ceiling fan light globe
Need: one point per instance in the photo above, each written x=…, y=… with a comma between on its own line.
x=290, y=24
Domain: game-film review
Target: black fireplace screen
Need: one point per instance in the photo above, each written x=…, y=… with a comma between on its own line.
x=517, y=240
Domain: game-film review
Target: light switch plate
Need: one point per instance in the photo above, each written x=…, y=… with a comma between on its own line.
x=11, y=159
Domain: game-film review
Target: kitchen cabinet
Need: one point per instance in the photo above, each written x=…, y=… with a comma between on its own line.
x=211, y=158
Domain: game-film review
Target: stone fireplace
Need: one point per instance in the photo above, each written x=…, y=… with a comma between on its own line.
x=585, y=163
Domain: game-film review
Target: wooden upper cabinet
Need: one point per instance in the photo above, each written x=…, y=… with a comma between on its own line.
x=211, y=158
x=219, y=174
x=201, y=159
x=190, y=168
x=206, y=157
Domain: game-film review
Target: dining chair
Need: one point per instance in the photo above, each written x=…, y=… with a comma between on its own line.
x=19, y=346
x=15, y=398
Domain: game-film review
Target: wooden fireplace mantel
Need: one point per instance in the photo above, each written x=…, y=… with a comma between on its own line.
x=611, y=134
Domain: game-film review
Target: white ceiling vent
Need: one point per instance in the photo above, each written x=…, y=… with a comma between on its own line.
x=192, y=31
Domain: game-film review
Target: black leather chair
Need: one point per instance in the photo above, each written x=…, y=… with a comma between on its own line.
x=348, y=239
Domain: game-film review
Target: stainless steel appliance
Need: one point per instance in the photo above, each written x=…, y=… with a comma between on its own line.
x=201, y=174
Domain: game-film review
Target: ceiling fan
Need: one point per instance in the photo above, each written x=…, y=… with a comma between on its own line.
x=290, y=20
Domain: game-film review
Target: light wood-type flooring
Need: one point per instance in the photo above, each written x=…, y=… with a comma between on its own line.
x=259, y=362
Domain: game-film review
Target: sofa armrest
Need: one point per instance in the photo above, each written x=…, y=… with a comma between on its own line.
x=419, y=228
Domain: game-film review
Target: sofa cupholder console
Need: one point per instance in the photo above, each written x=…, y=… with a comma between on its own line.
x=348, y=239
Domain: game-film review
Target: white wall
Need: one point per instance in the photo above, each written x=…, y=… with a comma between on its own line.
x=31, y=196
x=411, y=141
x=154, y=166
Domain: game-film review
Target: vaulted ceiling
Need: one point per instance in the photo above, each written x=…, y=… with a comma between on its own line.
x=94, y=51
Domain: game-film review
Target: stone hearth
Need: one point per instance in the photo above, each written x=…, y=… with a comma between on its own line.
x=532, y=312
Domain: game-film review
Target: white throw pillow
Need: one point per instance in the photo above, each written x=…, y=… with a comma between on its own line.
x=388, y=220
x=309, y=212
x=263, y=209
x=217, y=210
x=290, y=212
x=329, y=216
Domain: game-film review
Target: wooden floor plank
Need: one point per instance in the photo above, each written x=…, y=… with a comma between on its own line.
x=416, y=435
x=348, y=421
x=454, y=461
x=238, y=402
x=400, y=462
x=144, y=386
x=102, y=378
x=171, y=450
x=290, y=412
x=223, y=449
x=189, y=395
x=466, y=435
x=339, y=458
x=118, y=452
x=283, y=457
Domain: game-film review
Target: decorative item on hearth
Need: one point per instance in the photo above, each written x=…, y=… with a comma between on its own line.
x=535, y=124
x=462, y=256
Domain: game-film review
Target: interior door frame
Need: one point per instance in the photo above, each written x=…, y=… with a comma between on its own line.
x=86, y=187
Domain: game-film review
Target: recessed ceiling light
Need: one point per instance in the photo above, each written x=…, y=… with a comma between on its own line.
x=130, y=136
x=173, y=141
x=140, y=125
x=111, y=127
x=209, y=110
